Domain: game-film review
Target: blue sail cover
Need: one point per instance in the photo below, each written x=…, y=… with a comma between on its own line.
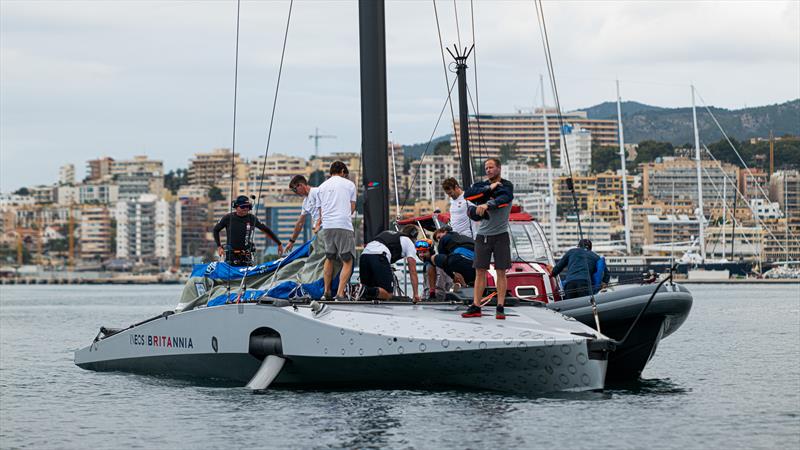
x=221, y=271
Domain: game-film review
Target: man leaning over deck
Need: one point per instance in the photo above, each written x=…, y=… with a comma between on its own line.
x=337, y=202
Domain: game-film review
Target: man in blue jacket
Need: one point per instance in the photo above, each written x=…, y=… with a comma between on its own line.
x=581, y=264
x=493, y=197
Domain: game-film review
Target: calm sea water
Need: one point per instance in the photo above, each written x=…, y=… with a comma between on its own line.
x=729, y=378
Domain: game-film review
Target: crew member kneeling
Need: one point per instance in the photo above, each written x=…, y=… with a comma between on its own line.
x=375, y=264
x=455, y=255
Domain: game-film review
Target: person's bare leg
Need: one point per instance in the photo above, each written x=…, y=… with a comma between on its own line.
x=327, y=275
x=502, y=286
x=344, y=277
x=431, y=278
x=480, y=285
x=383, y=294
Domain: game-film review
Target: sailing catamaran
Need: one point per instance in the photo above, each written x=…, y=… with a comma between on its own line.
x=259, y=339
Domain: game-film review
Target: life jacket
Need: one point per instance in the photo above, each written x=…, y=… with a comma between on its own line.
x=455, y=240
x=391, y=239
x=597, y=276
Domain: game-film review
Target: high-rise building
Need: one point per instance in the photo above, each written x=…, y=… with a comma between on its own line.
x=99, y=169
x=429, y=173
x=208, y=168
x=146, y=229
x=488, y=132
x=95, y=233
x=753, y=183
x=100, y=192
x=676, y=178
x=66, y=175
x=784, y=188
x=578, y=146
x=138, y=176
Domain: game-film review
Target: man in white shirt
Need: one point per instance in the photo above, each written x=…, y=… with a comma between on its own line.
x=336, y=199
x=459, y=221
x=299, y=185
x=375, y=264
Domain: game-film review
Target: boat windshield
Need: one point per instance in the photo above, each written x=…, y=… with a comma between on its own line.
x=528, y=243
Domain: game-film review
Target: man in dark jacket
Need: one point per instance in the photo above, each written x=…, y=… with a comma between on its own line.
x=240, y=225
x=493, y=197
x=581, y=264
x=455, y=254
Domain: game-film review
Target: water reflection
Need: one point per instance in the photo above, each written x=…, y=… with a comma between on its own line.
x=648, y=387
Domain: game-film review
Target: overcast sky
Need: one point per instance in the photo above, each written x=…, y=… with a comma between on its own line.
x=79, y=80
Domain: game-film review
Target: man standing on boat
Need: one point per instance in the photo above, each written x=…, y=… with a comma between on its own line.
x=375, y=264
x=582, y=268
x=337, y=201
x=459, y=221
x=240, y=225
x=493, y=196
x=299, y=185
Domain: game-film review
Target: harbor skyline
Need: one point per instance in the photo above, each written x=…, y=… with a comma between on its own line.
x=128, y=79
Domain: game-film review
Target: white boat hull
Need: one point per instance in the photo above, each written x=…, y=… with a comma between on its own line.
x=365, y=345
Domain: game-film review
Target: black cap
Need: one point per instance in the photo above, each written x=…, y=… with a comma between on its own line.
x=585, y=244
x=241, y=200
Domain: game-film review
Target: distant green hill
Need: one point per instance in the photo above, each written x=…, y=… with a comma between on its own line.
x=414, y=151
x=644, y=122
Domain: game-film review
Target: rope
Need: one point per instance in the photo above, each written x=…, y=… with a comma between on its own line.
x=446, y=79
x=551, y=74
x=427, y=147
x=458, y=28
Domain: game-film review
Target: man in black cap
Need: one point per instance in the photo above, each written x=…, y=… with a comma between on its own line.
x=240, y=225
x=581, y=264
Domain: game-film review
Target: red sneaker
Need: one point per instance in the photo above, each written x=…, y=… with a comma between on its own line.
x=472, y=311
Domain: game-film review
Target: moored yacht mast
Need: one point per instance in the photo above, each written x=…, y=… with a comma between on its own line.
x=700, y=215
x=552, y=199
x=626, y=216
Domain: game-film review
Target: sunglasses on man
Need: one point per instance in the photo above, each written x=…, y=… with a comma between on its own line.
x=246, y=207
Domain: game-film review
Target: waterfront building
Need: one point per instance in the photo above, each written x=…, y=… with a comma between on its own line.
x=601, y=193
x=195, y=228
x=537, y=204
x=766, y=210
x=95, y=233
x=746, y=245
x=67, y=195
x=568, y=233
x=784, y=188
x=782, y=242
x=525, y=130
x=194, y=191
x=146, y=229
x=677, y=178
x=666, y=229
x=7, y=200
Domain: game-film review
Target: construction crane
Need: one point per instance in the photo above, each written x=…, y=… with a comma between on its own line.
x=316, y=137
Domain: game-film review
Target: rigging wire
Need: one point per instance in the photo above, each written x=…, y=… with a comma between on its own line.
x=446, y=78
x=428, y=146
x=235, y=98
x=476, y=107
x=562, y=138
x=458, y=28
x=274, y=107
x=760, y=221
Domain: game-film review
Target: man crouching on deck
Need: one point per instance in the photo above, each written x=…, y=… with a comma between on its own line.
x=375, y=264
x=493, y=197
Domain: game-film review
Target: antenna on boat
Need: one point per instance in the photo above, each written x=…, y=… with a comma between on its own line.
x=463, y=112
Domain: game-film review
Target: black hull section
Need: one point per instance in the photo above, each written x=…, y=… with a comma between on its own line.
x=632, y=273
x=617, y=311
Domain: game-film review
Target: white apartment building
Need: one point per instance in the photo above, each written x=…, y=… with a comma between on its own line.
x=579, y=148
x=764, y=209
x=66, y=174
x=103, y=193
x=146, y=229
x=429, y=173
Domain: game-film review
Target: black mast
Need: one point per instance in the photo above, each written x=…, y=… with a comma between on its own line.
x=374, y=128
x=463, y=114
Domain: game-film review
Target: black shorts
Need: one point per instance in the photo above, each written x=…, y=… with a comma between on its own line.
x=375, y=271
x=498, y=245
x=452, y=264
